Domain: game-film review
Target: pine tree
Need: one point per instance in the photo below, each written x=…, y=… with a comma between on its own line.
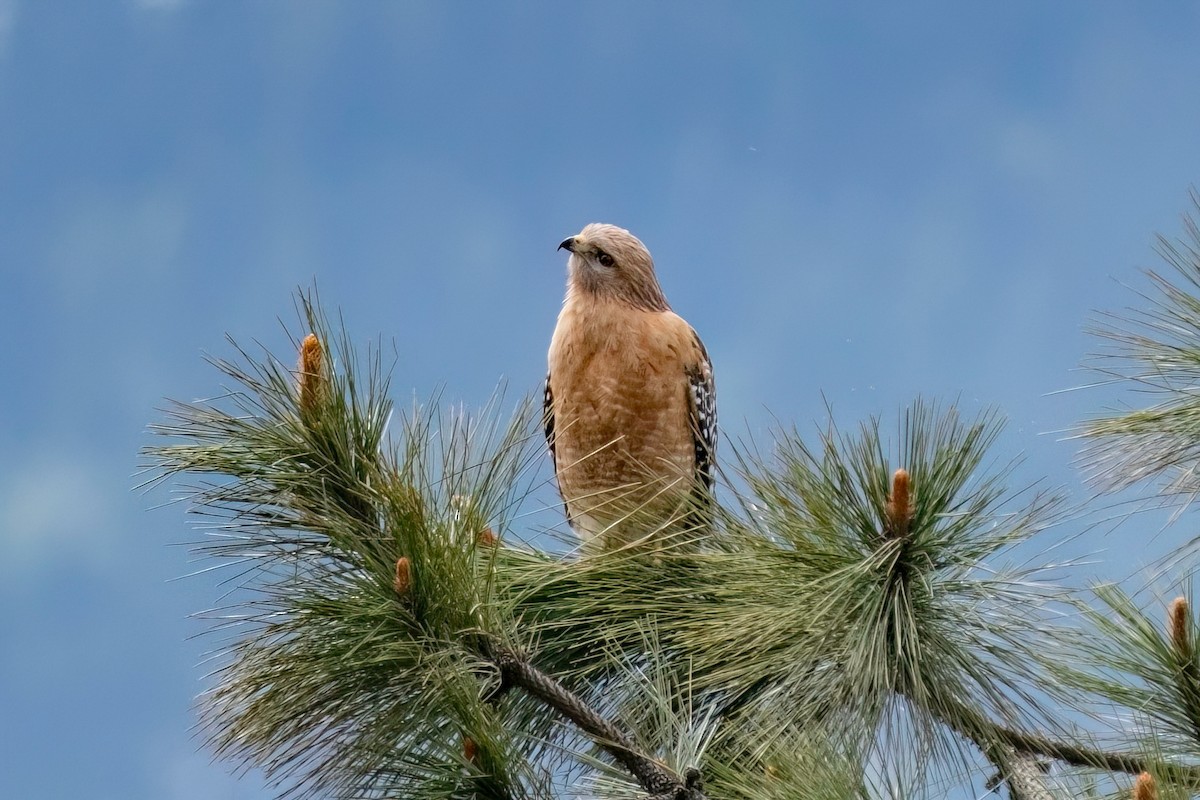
x=853, y=624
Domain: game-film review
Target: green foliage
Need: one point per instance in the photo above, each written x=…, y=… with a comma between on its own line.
x=1134, y=662
x=811, y=612
x=1156, y=350
x=334, y=681
x=863, y=618
x=912, y=614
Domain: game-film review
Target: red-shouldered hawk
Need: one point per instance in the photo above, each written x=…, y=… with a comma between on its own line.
x=630, y=407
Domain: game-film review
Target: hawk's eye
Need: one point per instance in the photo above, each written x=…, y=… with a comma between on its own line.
x=605, y=259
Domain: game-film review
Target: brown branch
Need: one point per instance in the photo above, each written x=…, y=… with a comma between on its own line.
x=660, y=782
x=987, y=734
x=1024, y=774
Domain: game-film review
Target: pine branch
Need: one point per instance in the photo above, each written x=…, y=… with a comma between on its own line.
x=661, y=783
x=1024, y=774
x=987, y=735
x=1127, y=657
x=346, y=673
x=387, y=598
x=1155, y=351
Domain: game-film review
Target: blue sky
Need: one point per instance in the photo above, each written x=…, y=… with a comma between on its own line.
x=852, y=204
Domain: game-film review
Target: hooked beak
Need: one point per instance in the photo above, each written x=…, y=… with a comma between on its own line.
x=567, y=244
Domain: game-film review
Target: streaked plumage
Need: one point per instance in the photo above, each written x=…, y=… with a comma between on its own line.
x=630, y=400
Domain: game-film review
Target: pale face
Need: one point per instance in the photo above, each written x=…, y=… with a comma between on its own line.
x=611, y=262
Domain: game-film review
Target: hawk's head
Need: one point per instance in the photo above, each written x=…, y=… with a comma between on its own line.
x=610, y=262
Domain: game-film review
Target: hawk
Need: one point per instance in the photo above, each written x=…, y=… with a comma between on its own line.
x=630, y=404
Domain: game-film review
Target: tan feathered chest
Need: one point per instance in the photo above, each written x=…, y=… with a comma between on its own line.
x=620, y=401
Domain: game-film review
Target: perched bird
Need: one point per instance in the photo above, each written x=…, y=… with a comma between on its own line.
x=630, y=406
